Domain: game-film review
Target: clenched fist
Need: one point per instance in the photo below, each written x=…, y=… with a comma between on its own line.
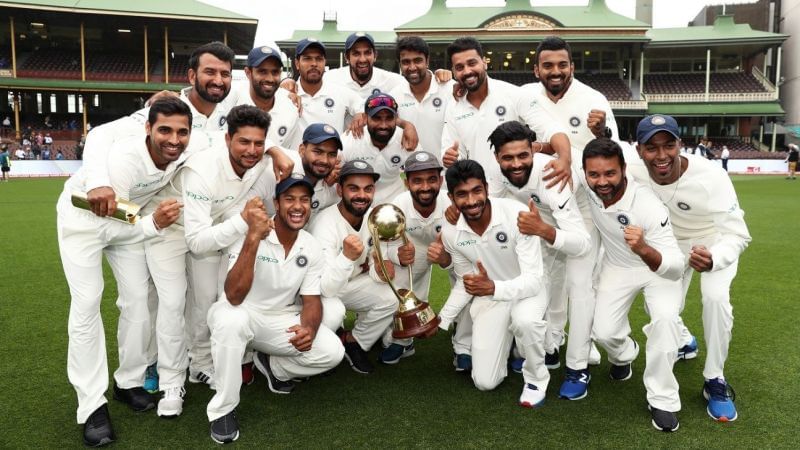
x=406, y=254
x=352, y=247
x=167, y=213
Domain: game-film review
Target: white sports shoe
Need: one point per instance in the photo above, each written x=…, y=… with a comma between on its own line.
x=531, y=396
x=171, y=405
x=594, y=355
x=202, y=376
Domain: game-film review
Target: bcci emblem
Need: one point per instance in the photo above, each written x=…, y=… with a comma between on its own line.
x=574, y=121
x=623, y=219
x=684, y=206
x=535, y=198
x=301, y=261
x=501, y=237
x=360, y=165
x=315, y=204
x=222, y=121
x=376, y=91
x=422, y=157
x=329, y=102
x=658, y=120
x=266, y=50
x=437, y=102
x=328, y=129
x=438, y=228
x=395, y=159
x=500, y=111
x=282, y=131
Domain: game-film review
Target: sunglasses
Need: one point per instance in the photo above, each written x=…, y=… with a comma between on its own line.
x=382, y=100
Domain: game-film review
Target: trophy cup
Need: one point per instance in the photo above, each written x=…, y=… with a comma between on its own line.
x=127, y=211
x=413, y=317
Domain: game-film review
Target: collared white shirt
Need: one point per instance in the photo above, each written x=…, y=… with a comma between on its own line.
x=427, y=115
x=216, y=121
x=512, y=260
x=284, y=116
x=640, y=207
x=703, y=208
x=557, y=209
x=331, y=105
x=387, y=162
x=279, y=280
x=381, y=81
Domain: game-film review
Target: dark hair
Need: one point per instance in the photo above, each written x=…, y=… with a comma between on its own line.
x=462, y=171
x=463, y=44
x=247, y=115
x=169, y=106
x=414, y=44
x=552, y=43
x=216, y=48
x=603, y=148
x=509, y=132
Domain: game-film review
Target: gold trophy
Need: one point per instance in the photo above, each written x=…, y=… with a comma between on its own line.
x=127, y=211
x=387, y=223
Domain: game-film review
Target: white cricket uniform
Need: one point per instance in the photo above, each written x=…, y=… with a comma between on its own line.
x=345, y=280
x=331, y=105
x=381, y=81
x=212, y=195
x=704, y=210
x=83, y=239
x=272, y=306
x=284, y=116
x=426, y=115
x=387, y=162
x=624, y=275
x=572, y=242
x=517, y=308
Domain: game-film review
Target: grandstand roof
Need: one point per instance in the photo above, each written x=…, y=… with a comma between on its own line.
x=717, y=109
x=723, y=32
x=333, y=37
x=171, y=9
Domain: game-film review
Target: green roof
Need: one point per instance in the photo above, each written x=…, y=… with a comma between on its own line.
x=594, y=15
x=331, y=36
x=86, y=86
x=723, y=32
x=172, y=9
x=718, y=109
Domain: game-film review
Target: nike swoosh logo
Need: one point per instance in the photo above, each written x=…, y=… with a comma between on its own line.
x=564, y=204
x=664, y=223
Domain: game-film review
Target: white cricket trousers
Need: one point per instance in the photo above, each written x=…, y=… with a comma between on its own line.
x=495, y=325
x=166, y=258
x=204, y=276
x=617, y=288
x=581, y=292
x=83, y=239
x=235, y=328
x=374, y=304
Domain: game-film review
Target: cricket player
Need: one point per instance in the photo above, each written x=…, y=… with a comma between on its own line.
x=499, y=273
x=360, y=75
x=380, y=146
x=271, y=302
x=641, y=255
x=140, y=167
x=709, y=226
x=350, y=274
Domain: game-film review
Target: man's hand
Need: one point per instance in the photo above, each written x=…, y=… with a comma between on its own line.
x=596, y=121
x=333, y=177
x=410, y=139
x=458, y=91
x=387, y=264
x=634, y=237
x=297, y=101
x=406, y=254
x=282, y=165
x=443, y=75
x=290, y=85
x=303, y=337
x=160, y=95
x=700, y=258
x=357, y=125
x=258, y=223
x=530, y=222
x=451, y=214
x=167, y=213
x=352, y=247
x=479, y=284
x=103, y=200
x=450, y=155
x=559, y=172
x=437, y=253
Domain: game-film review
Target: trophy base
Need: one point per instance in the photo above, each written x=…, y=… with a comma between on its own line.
x=415, y=322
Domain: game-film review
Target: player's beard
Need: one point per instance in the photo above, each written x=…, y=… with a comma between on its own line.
x=609, y=194
x=558, y=89
x=265, y=91
x=424, y=203
x=478, y=83
x=202, y=91
x=316, y=80
x=361, y=77
x=382, y=138
x=518, y=180
x=476, y=213
x=316, y=171
x=355, y=210
x=416, y=77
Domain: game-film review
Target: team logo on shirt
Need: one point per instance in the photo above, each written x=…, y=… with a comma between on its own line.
x=501, y=237
x=315, y=204
x=574, y=121
x=536, y=198
x=376, y=91
x=623, y=219
x=500, y=111
x=395, y=159
x=301, y=261
x=438, y=228
x=437, y=102
x=329, y=102
x=684, y=206
x=282, y=131
x=222, y=121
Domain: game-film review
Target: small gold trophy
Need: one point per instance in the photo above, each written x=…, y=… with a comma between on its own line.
x=127, y=211
x=414, y=317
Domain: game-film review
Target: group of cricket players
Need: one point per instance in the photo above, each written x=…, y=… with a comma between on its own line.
x=252, y=241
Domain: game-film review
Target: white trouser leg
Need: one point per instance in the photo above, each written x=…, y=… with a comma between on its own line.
x=203, y=274
x=462, y=336
x=166, y=258
x=152, y=307
x=333, y=313
x=529, y=329
x=555, y=270
x=231, y=331
x=491, y=342
x=375, y=304
x=616, y=289
x=581, y=305
x=715, y=288
x=685, y=334
x=663, y=299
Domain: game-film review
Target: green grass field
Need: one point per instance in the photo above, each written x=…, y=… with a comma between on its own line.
x=421, y=402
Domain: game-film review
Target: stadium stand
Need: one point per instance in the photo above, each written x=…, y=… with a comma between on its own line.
x=52, y=63
x=115, y=67
x=695, y=83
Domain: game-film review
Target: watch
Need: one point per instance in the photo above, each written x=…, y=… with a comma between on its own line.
x=607, y=133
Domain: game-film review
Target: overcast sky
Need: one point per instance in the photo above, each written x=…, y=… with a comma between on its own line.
x=278, y=19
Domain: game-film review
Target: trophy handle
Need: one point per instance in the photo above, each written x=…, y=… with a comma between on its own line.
x=377, y=243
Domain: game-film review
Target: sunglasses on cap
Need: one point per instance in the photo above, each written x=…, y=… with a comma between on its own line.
x=381, y=100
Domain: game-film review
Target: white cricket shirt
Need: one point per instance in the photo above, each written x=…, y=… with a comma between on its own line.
x=427, y=115
x=381, y=81
x=388, y=162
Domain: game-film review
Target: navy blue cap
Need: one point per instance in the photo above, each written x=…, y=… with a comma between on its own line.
x=259, y=54
x=321, y=132
x=357, y=167
x=355, y=37
x=293, y=180
x=304, y=44
x=651, y=125
x=378, y=102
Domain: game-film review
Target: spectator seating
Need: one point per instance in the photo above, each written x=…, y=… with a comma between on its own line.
x=115, y=67
x=178, y=67
x=695, y=83
x=52, y=63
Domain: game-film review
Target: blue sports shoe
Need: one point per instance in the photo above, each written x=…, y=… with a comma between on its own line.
x=720, y=398
x=516, y=364
x=151, y=379
x=576, y=384
x=688, y=351
x=462, y=362
x=393, y=353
